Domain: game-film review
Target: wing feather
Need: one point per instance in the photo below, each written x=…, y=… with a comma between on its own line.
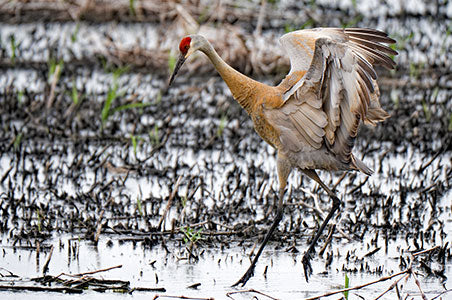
x=317, y=116
x=303, y=131
x=374, y=57
x=336, y=91
x=373, y=45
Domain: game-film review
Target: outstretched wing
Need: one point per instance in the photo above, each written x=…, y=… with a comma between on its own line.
x=331, y=87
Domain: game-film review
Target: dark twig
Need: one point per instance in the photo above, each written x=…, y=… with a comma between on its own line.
x=68, y=290
x=170, y=202
x=45, y=268
x=359, y=286
x=393, y=285
x=145, y=289
x=422, y=168
x=249, y=291
x=419, y=285
x=99, y=226
x=444, y=292
x=98, y=271
x=425, y=251
x=180, y=297
x=89, y=273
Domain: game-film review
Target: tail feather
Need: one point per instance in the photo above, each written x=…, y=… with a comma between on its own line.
x=361, y=166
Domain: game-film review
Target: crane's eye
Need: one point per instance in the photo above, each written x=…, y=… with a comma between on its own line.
x=184, y=45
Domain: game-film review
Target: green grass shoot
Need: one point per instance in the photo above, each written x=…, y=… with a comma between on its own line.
x=74, y=34
x=448, y=33
x=132, y=7
x=401, y=42
x=139, y=206
x=52, y=64
x=450, y=123
x=17, y=141
x=427, y=112
x=346, y=285
x=111, y=95
x=435, y=93
x=134, y=144
x=20, y=96
x=159, y=97
x=415, y=70
x=222, y=125
x=308, y=24
x=171, y=62
x=191, y=235
x=154, y=136
x=74, y=93
x=130, y=106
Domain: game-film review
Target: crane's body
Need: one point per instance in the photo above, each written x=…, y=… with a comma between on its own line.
x=312, y=117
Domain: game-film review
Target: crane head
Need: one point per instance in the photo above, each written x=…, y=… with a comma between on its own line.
x=185, y=51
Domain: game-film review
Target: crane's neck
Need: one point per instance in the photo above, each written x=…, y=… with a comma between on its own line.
x=243, y=88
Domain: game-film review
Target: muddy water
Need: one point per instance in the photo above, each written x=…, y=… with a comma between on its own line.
x=63, y=172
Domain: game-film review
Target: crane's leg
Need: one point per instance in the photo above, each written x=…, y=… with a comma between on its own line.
x=284, y=169
x=336, y=203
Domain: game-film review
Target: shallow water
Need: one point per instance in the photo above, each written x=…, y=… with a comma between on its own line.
x=215, y=271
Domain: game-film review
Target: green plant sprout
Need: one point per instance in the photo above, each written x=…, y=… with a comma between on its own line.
x=74, y=94
x=17, y=141
x=53, y=70
x=130, y=106
x=222, y=125
x=132, y=7
x=450, y=123
x=20, y=96
x=184, y=201
x=75, y=33
x=171, y=62
x=139, y=206
x=346, y=285
x=191, y=235
x=112, y=94
x=159, y=97
x=427, y=112
x=154, y=135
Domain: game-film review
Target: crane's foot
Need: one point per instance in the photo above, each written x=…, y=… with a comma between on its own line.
x=306, y=261
x=248, y=274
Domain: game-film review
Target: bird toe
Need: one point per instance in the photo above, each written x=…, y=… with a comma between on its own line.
x=242, y=281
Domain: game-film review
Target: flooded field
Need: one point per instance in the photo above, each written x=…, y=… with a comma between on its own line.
x=113, y=186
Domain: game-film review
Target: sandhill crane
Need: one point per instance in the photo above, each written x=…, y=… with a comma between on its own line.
x=312, y=117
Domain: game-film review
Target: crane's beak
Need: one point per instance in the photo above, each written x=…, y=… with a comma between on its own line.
x=179, y=64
